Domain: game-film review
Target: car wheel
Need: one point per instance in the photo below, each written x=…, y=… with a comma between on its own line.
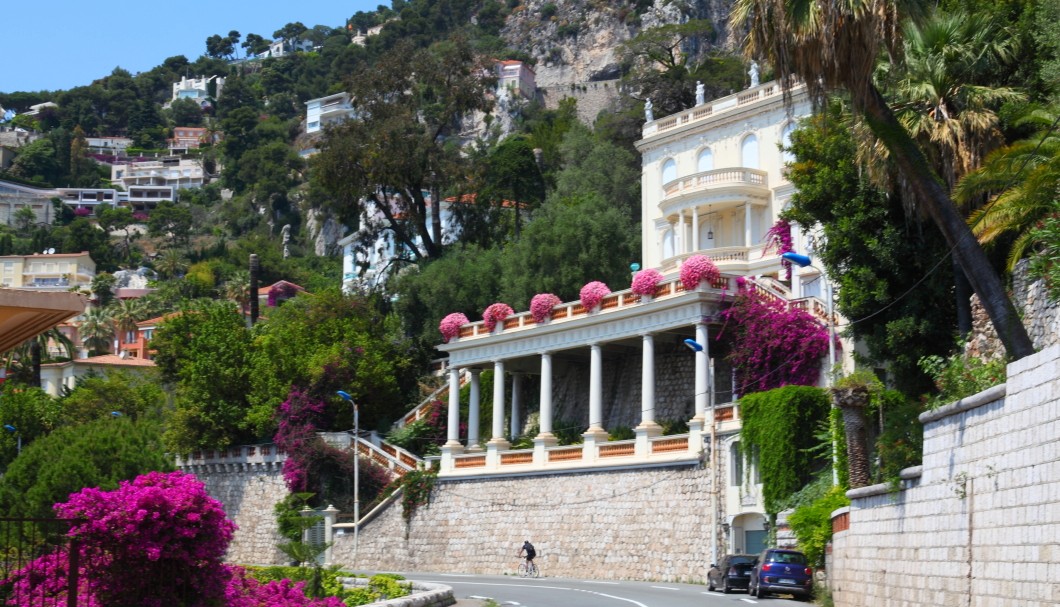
x=725, y=587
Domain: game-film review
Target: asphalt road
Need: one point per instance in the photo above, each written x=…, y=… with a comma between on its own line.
x=569, y=592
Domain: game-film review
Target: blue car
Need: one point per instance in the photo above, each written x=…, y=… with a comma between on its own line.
x=779, y=571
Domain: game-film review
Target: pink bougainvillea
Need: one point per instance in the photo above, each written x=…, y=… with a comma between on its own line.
x=541, y=306
x=450, y=325
x=593, y=293
x=697, y=269
x=778, y=239
x=496, y=313
x=771, y=344
x=645, y=281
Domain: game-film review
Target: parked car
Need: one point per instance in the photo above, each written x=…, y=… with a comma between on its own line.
x=733, y=571
x=781, y=571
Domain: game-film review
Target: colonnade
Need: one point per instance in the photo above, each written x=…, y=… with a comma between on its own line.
x=682, y=226
x=595, y=433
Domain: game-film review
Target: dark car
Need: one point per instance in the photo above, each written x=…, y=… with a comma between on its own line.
x=732, y=572
x=779, y=571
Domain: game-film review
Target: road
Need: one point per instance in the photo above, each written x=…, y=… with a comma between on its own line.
x=569, y=592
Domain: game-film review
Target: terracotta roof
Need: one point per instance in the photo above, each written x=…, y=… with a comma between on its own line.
x=110, y=360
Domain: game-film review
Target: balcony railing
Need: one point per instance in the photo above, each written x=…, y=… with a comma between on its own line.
x=707, y=180
x=707, y=110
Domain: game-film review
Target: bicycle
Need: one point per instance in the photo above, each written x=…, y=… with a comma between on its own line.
x=528, y=569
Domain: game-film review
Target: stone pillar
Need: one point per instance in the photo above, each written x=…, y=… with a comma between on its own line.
x=747, y=225
x=647, y=428
x=473, y=423
x=695, y=229
x=596, y=433
x=515, y=426
x=497, y=443
x=702, y=394
x=331, y=516
x=679, y=243
x=452, y=445
x=545, y=438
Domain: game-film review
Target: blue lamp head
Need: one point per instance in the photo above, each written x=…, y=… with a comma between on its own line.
x=344, y=396
x=795, y=258
x=694, y=345
x=633, y=267
x=115, y=413
x=10, y=428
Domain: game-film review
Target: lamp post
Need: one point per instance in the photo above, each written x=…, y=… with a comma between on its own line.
x=356, y=472
x=18, y=436
x=804, y=261
x=699, y=348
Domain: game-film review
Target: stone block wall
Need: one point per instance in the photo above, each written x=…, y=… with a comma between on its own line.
x=249, y=492
x=649, y=524
x=978, y=524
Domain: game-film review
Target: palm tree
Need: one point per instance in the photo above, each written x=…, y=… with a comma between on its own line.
x=125, y=313
x=1023, y=179
x=237, y=288
x=834, y=45
x=97, y=329
x=171, y=263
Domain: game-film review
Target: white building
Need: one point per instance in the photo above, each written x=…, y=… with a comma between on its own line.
x=281, y=47
x=325, y=111
x=149, y=182
x=516, y=79
x=198, y=89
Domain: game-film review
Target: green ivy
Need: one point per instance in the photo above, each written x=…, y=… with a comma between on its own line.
x=782, y=424
x=812, y=522
x=417, y=486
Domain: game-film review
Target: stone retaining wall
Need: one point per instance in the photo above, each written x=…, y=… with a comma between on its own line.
x=648, y=524
x=978, y=525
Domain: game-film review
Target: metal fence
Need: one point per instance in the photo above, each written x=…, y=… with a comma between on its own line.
x=30, y=550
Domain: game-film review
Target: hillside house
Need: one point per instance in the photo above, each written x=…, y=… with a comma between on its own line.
x=146, y=183
x=324, y=111
x=48, y=272
x=200, y=90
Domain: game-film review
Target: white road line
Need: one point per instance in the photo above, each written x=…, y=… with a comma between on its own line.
x=456, y=574
x=481, y=598
x=665, y=588
x=599, y=582
x=609, y=596
x=749, y=601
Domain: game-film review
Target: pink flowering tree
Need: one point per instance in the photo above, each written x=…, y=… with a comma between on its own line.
x=697, y=269
x=778, y=240
x=593, y=293
x=771, y=344
x=541, y=306
x=496, y=313
x=155, y=541
x=646, y=281
x=450, y=325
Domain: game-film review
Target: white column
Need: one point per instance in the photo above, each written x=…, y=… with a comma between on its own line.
x=746, y=225
x=473, y=411
x=454, y=410
x=679, y=243
x=647, y=428
x=596, y=391
x=498, y=442
x=702, y=397
x=545, y=438
x=695, y=229
x=515, y=427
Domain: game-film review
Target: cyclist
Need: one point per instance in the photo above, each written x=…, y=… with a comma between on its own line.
x=528, y=548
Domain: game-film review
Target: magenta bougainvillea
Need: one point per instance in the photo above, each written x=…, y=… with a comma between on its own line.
x=496, y=313
x=450, y=325
x=771, y=344
x=778, y=239
x=593, y=293
x=280, y=293
x=155, y=541
x=82, y=211
x=697, y=269
x=541, y=306
x=645, y=281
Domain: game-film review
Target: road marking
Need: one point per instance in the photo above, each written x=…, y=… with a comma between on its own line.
x=480, y=597
x=599, y=582
x=665, y=588
x=749, y=601
x=609, y=596
x=456, y=575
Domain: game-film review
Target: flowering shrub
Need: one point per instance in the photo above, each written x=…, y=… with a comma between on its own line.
x=140, y=216
x=593, y=293
x=450, y=325
x=82, y=211
x=645, y=281
x=496, y=313
x=772, y=345
x=697, y=269
x=778, y=239
x=541, y=306
x=280, y=293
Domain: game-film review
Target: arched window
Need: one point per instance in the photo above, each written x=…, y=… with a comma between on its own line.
x=669, y=171
x=668, y=244
x=736, y=464
x=749, y=152
x=785, y=140
x=705, y=161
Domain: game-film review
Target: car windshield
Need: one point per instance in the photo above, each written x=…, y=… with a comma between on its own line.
x=742, y=560
x=795, y=558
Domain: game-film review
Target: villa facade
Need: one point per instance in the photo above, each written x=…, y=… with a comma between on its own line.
x=713, y=184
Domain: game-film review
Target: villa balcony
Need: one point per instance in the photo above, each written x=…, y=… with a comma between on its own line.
x=744, y=183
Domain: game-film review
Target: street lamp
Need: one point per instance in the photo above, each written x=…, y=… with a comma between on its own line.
x=698, y=348
x=18, y=436
x=356, y=472
x=804, y=261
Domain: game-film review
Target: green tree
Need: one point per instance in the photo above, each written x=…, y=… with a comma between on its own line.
x=185, y=112
x=101, y=454
x=204, y=350
x=832, y=46
x=171, y=263
x=31, y=412
x=408, y=104
x=592, y=164
x=254, y=44
x=134, y=395
x=172, y=221
x=96, y=330
x=24, y=220
x=37, y=161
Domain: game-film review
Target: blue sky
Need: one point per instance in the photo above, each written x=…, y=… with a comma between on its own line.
x=67, y=43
